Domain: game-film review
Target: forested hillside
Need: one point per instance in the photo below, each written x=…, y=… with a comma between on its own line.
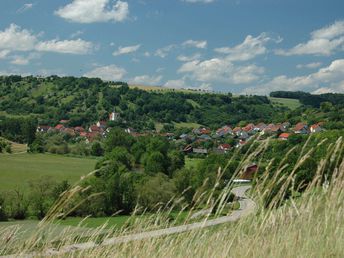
x=84, y=100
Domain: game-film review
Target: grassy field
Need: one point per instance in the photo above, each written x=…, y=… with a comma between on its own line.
x=290, y=103
x=187, y=125
x=16, y=147
x=17, y=170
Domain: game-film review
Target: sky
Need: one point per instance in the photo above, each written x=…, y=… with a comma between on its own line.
x=239, y=46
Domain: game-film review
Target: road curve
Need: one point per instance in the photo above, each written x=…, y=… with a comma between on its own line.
x=247, y=206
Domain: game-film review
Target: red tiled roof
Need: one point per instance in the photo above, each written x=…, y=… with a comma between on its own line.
x=299, y=126
x=59, y=126
x=284, y=135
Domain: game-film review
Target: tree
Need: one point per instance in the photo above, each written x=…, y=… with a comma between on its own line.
x=97, y=149
x=154, y=163
x=156, y=192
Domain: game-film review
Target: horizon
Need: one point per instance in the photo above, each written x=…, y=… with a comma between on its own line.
x=242, y=46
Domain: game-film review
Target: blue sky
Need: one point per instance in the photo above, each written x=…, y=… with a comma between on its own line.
x=241, y=46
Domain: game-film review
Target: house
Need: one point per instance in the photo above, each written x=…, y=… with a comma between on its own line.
x=113, y=116
x=200, y=151
x=205, y=131
x=224, y=147
x=43, y=128
x=284, y=136
x=240, y=143
x=316, y=128
x=243, y=135
x=249, y=128
x=249, y=172
x=260, y=127
x=101, y=124
x=94, y=128
x=224, y=131
x=59, y=127
x=236, y=131
x=272, y=128
x=301, y=128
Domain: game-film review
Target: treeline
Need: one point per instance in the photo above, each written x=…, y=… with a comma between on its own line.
x=21, y=129
x=311, y=99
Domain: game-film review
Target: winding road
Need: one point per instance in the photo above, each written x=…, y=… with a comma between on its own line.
x=247, y=206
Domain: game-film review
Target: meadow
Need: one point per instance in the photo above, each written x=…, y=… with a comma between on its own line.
x=16, y=170
x=290, y=103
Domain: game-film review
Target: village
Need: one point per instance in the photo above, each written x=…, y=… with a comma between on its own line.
x=199, y=141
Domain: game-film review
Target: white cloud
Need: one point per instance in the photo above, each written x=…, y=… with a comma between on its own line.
x=146, y=80
x=107, y=73
x=248, y=49
x=4, y=53
x=25, y=7
x=309, y=66
x=78, y=47
x=199, y=1
x=181, y=84
x=220, y=70
x=163, y=52
x=90, y=11
x=324, y=41
x=195, y=43
x=126, y=50
x=24, y=60
x=15, y=38
x=183, y=58
x=329, y=79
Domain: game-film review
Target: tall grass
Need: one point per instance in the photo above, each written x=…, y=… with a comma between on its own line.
x=308, y=226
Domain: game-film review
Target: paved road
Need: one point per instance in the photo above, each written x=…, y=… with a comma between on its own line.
x=247, y=206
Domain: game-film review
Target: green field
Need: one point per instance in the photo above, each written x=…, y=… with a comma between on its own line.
x=290, y=103
x=187, y=125
x=17, y=170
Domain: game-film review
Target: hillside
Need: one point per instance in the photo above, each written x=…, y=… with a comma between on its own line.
x=83, y=101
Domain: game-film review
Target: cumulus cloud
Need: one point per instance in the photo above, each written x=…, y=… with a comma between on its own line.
x=90, y=11
x=126, y=50
x=14, y=38
x=220, y=70
x=324, y=41
x=327, y=79
x=248, y=49
x=78, y=47
x=309, y=66
x=146, y=80
x=107, y=73
x=195, y=43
